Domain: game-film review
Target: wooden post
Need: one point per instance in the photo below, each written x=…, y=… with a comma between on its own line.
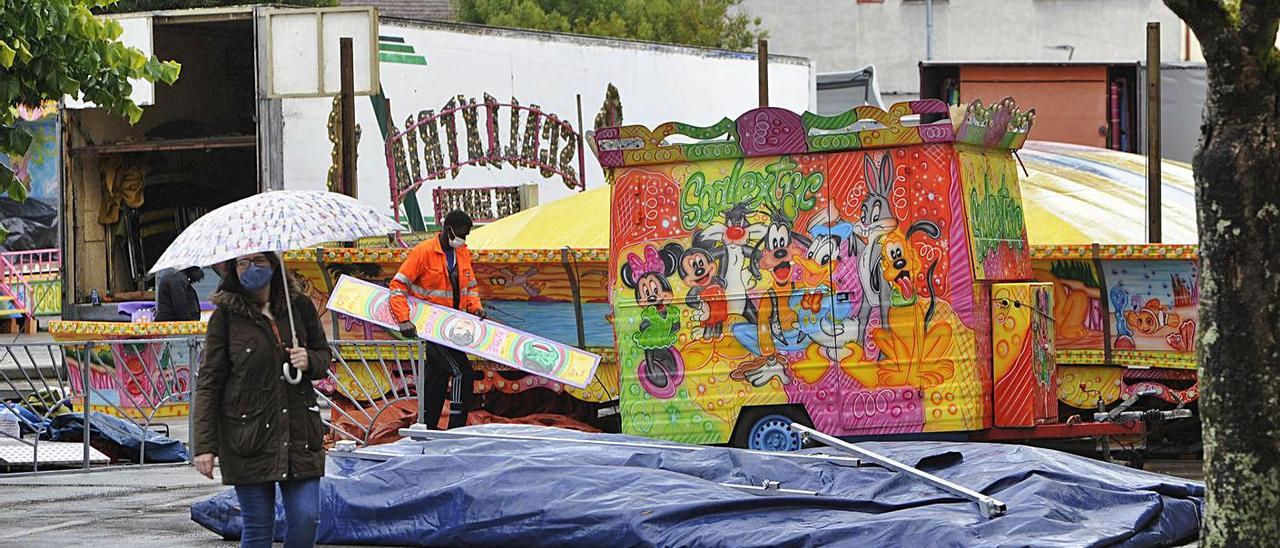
x=347, y=178
x=762, y=60
x=1153, y=133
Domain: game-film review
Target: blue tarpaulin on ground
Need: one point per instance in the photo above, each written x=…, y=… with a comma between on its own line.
x=113, y=436
x=534, y=493
x=123, y=438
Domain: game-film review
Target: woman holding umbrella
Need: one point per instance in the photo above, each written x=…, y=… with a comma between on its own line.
x=265, y=431
x=253, y=410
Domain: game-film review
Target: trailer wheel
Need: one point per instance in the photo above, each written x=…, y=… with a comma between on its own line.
x=767, y=428
x=1134, y=459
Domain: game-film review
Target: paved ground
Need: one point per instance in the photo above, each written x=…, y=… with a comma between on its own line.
x=1189, y=469
x=142, y=507
x=134, y=507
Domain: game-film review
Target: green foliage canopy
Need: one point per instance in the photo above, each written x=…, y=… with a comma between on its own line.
x=52, y=48
x=706, y=23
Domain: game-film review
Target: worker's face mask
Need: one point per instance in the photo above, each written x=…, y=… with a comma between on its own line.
x=456, y=242
x=256, y=277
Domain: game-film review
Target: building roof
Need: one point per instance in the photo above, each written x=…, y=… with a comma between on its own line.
x=422, y=10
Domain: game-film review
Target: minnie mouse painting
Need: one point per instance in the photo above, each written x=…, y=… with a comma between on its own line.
x=662, y=369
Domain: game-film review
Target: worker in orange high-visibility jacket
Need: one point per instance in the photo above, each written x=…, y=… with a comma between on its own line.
x=439, y=271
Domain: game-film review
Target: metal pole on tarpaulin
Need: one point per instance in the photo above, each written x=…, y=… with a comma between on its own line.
x=1153, y=133
x=426, y=434
x=990, y=506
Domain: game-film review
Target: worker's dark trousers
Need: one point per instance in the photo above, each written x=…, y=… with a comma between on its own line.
x=442, y=364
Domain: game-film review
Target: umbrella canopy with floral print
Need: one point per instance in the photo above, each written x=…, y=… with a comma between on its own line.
x=273, y=221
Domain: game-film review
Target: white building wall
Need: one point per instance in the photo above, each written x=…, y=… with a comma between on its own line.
x=844, y=35
x=656, y=83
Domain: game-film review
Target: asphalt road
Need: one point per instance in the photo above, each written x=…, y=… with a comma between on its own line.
x=137, y=507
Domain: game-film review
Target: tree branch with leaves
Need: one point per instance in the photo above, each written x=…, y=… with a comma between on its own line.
x=1237, y=173
x=53, y=48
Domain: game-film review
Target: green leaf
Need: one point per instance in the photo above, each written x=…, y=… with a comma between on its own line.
x=171, y=71
x=69, y=86
x=6, y=55
x=111, y=29
x=14, y=140
x=137, y=61
x=6, y=179
x=24, y=54
x=17, y=191
x=132, y=112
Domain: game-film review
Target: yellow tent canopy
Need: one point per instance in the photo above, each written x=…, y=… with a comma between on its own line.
x=1082, y=195
x=1074, y=195
x=580, y=221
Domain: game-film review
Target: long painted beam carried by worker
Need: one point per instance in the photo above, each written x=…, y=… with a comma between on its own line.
x=484, y=338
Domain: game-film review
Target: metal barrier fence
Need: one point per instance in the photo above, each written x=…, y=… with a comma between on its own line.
x=137, y=381
x=368, y=379
x=145, y=381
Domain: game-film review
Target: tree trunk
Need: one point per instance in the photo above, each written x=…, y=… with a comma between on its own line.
x=1237, y=173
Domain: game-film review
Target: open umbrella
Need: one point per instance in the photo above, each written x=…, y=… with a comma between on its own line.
x=274, y=222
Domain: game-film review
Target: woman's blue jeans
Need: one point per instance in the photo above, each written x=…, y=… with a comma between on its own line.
x=258, y=512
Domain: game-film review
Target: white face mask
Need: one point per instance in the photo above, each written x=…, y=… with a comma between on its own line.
x=456, y=242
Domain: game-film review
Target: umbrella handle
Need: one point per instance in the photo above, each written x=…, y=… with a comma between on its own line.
x=293, y=376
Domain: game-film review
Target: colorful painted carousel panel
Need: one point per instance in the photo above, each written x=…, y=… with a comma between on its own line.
x=1026, y=384
x=840, y=282
x=1154, y=305
x=1078, y=309
x=485, y=339
x=994, y=206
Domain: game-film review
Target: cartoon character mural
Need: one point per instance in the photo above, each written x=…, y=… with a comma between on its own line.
x=1154, y=304
x=777, y=328
x=836, y=271
x=736, y=238
x=875, y=221
x=826, y=318
x=700, y=272
x=661, y=370
x=1077, y=301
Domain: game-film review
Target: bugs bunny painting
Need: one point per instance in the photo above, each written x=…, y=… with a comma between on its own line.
x=875, y=221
